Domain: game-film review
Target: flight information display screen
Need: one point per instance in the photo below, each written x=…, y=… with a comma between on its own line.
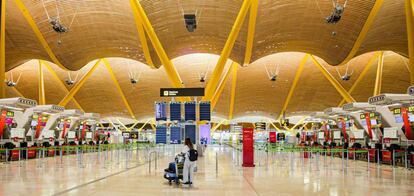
x=399, y=119
x=175, y=111
x=190, y=111
x=175, y=135
x=161, y=135
x=161, y=111
x=205, y=111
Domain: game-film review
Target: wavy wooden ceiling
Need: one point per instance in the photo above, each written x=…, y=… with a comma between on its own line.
x=106, y=28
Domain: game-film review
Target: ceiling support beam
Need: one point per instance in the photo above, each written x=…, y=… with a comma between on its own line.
x=270, y=121
x=79, y=84
x=38, y=34
x=153, y=125
x=225, y=53
x=409, y=18
x=17, y=92
x=360, y=77
x=298, y=123
x=250, y=32
x=348, y=98
x=42, y=98
x=168, y=66
x=221, y=86
x=378, y=78
x=61, y=84
x=122, y=124
x=233, y=91
x=364, y=31
x=118, y=87
x=141, y=36
x=139, y=130
x=295, y=82
x=133, y=125
x=218, y=125
x=3, y=50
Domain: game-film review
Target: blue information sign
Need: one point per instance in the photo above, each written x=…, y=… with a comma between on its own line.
x=205, y=113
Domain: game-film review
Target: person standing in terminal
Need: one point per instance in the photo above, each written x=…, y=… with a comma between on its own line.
x=190, y=161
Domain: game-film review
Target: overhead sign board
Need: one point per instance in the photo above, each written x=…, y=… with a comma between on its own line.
x=182, y=92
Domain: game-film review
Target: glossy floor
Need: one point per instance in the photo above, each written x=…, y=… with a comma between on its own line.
x=274, y=174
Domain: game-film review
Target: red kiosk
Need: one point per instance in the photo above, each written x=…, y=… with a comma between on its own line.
x=248, y=147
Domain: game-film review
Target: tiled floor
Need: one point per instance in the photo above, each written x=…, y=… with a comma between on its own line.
x=285, y=174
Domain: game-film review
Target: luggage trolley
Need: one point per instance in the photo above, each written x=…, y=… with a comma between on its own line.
x=174, y=172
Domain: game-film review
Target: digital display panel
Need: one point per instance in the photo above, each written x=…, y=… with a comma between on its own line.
x=374, y=122
x=364, y=122
x=397, y=111
x=175, y=111
x=411, y=118
x=190, y=111
x=160, y=111
x=175, y=135
x=10, y=114
x=205, y=111
x=399, y=119
x=161, y=135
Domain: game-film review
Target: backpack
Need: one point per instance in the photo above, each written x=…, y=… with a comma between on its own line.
x=193, y=155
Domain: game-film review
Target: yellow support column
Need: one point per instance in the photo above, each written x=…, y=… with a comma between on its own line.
x=141, y=36
x=37, y=32
x=378, y=78
x=360, y=77
x=78, y=85
x=212, y=84
x=60, y=82
x=221, y=86
x=3, y=50
x=168, y=66
x=121, y=93
x=270, y=121
x=217, y=126
x=295, y=82
x=233, y=91
x=409, y=18
x=333, y=81
x=364, y=31
x=133, y=125
x=139, y=130
x=42, y=99
x=250, y=32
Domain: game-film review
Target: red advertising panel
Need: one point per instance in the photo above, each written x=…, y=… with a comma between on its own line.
x=2, y=122
x=248, y=149
x=83, y=130
x=272, y=137
x=368, y=119
x=39, y=125
x=407, y=128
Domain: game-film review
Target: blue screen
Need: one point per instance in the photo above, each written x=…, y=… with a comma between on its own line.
x=175, y=111
x=175, y=136
x=160, y=111
x=161, y=135
x=190, y=132
x=190, y=111
x=399, y=119
x=411, y=118
x=364, y=122
x=205, y=113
